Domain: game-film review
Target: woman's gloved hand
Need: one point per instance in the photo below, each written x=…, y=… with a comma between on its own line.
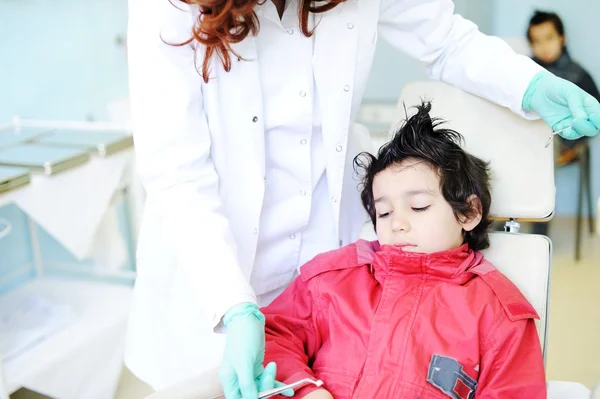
x=561, y=104
x=242, y=373
x=267, y=380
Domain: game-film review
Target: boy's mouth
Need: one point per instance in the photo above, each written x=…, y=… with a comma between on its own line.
x=404, y=245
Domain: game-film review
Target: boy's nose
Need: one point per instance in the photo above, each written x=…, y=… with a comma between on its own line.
x=400, y=223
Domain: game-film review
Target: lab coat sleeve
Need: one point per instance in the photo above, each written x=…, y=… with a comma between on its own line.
x=292, y=336
x=454, y=51
x=172, y=143
x=512, y=365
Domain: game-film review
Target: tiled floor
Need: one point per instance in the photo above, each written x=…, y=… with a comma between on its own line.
x=131, y=388
x=574, y=335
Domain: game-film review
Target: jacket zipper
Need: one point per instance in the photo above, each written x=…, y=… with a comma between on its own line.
x=362, y=369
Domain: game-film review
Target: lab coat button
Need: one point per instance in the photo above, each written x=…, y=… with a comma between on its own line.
x=290, y=31
x=350, y=25
x=346, y=88
x=292, y=236
x=303, y=193
x=255, y=231
x=302, y=93
x=303, y=142
x=255, y=119
x=333, y=199
x=339, y=148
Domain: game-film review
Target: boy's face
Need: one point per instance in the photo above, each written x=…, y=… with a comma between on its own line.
x=411, y=211
x=546, y=43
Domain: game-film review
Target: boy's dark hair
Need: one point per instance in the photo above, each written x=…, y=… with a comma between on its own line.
x=541, y=17
x=461, y=174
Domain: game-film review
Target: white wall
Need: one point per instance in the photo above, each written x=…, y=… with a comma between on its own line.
x=60, y=59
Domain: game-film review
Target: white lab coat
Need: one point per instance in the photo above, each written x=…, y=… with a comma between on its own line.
x=201, y=156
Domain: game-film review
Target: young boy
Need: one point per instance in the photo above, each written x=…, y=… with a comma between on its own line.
x=546, y=35
x=420, y=313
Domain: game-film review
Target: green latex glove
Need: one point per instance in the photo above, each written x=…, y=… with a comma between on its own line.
x=242, y=373
x=563, y=105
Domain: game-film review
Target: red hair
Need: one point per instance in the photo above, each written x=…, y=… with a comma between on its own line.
x=223, y=22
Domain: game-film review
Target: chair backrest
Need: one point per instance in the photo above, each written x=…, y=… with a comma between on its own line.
x=522, y=180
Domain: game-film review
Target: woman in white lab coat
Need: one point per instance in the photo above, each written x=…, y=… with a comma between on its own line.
x=245, y=155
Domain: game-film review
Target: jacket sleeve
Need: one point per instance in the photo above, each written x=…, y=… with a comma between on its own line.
x=512, y=364
x=292, y=336
x=172, y=143
x=453, y=50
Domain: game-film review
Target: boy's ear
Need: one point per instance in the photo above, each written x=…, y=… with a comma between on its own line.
x=472, y=220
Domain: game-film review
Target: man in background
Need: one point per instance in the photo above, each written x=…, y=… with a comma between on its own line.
x=546, y=35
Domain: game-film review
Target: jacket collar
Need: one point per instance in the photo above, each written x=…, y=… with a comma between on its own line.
x=389, y=262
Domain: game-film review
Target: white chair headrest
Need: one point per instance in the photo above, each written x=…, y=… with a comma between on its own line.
x=522, y=169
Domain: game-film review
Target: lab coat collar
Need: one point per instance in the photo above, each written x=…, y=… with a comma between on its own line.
x=268, y=10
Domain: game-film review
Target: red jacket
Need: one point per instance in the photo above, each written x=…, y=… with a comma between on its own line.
x=382, y=323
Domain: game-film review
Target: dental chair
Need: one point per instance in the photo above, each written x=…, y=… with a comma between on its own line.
x=522, y=182
x=522, y=190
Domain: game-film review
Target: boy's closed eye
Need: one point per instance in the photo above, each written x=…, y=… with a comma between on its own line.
x=383, y=215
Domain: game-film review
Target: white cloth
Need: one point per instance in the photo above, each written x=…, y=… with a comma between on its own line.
x=84, y=358
x=202, y=159
x=29, y=322
x=70, y=206
x=293, y=141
